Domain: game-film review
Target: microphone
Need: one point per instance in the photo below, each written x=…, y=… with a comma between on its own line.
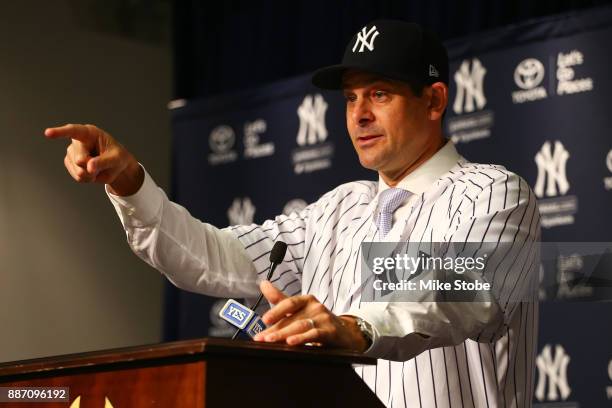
x=276, y=258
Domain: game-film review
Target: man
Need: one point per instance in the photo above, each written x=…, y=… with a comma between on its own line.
x=395, y=80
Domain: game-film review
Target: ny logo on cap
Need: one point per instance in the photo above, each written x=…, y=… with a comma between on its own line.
x=366, y=39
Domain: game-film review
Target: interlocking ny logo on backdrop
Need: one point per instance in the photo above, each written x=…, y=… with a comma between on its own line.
x=555, y=371
x=366, y=39
x=241, y=212
x=312, y=120
x=551, y=168
x=314, y=153
x=296, y=205
x=551, y=186
x=469, y=87
x=472, y=121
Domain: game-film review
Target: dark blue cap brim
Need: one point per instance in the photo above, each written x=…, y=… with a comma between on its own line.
x=331, y=77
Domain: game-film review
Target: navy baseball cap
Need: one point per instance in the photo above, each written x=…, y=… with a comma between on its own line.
x=393, y=49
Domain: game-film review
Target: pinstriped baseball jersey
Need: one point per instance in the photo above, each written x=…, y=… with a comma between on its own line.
x=468, y=202
x=475, y=355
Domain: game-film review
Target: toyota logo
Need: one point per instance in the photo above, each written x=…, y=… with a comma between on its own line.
x=222, y=139
x=529, y=73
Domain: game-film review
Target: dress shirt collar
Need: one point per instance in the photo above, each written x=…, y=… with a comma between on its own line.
x=427, y=173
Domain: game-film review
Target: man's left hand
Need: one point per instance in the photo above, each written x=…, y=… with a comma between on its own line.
x=303, y=319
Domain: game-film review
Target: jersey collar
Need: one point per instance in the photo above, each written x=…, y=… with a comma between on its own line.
x=427, y=173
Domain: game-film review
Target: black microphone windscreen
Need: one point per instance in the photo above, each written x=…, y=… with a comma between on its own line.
x=278, y=252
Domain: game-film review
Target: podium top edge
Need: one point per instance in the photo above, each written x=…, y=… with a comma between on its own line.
x=177, y=351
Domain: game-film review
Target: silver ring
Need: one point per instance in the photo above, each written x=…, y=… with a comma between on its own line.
x=311, y=322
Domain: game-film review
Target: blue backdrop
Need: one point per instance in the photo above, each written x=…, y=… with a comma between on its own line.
x=533, y=98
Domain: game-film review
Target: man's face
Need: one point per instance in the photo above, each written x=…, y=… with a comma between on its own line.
x=388, y=124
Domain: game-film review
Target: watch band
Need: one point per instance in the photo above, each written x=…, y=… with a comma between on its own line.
x=366, y=329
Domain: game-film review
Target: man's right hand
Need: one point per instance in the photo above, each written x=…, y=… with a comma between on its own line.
x=93, y=156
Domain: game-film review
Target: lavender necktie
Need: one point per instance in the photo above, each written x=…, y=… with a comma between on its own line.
x=388, y=202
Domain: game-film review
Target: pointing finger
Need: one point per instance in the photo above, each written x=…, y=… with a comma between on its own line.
x=84, y=133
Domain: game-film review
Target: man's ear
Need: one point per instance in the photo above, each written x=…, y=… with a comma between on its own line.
x=438, y=100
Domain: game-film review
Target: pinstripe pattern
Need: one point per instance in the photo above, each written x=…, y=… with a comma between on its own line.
x=464, y=364
x=469, y=203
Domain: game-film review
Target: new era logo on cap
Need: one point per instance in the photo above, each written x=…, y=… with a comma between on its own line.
x=433, y=72
x=366, y=39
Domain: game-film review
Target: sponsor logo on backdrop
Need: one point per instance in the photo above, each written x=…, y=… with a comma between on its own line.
x=552, y=371
x=472, y=121
x=314, y=152
x=609, y=387
x=566, y=74
x=295, y=205
x=253, y=148
x=365, y=39
x=218, y=327
x=557, y=208
x=608, y=180
x=569, y=278
x=528, y=76
x=241, y=212
x=221, y=141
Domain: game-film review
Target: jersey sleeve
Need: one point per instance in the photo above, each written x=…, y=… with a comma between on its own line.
x=193, y=255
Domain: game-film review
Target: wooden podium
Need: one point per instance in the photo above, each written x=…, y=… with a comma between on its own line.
x=199, y=373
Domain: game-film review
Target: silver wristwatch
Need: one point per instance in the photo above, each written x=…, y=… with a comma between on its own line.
x=366, y=329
